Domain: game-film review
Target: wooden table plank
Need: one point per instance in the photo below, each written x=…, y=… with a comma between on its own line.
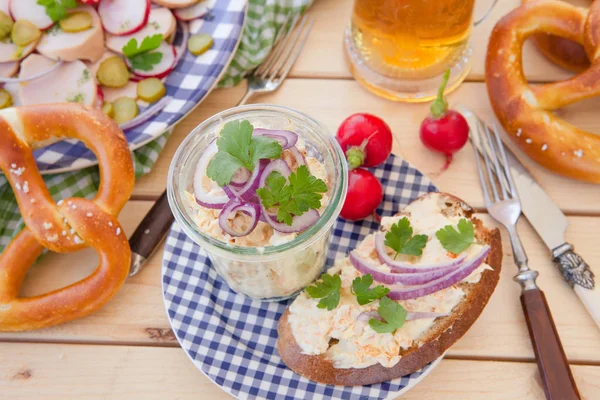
x=137, y=314
x=323, y=56
x=108, y=372
x=330, y=101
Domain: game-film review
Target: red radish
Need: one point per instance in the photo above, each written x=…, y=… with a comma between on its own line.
x=194, y=11
x=124, y=17
x=445, y=131
x=99, y=97
x=366, y=140
x=161, y=20
x=31, y=11
x=164, y=67
x=365, y=193
x=90, y=2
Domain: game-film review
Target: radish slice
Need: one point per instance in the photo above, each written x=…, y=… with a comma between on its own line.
x=164, y=67
x=175, y=3
x=31, y=11
x=194, y=11
x=4, y=7
x=71, y=46
x=124, y=17
x=11, y=52
x=71, y=82
x=160, y=20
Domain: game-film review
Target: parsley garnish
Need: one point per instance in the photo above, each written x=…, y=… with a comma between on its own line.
x=364, y=295
x=393, y=315
x=299, y=194
x=142, y=57
x=238, y=148
x=457, y=241
x=328, y=290
x=400, y=239
x=57, y=9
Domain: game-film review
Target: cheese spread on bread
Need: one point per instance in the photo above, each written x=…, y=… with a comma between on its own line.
x=347, y=340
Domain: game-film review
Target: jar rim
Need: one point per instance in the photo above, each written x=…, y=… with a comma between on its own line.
x=304, y=239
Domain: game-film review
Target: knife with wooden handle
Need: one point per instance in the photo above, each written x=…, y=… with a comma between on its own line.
x=550, y=223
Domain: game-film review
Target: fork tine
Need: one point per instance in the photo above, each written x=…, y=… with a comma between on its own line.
x=484, y=186
x=278, y=51
x=507, y=173
x=298, y=49
x=289, y=45
x=283, y=31
x=494, y=157
x=488, y=165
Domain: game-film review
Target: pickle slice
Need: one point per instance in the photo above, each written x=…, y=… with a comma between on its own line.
x=198, y=44
x=5, y=99
x=113, y=72
x=151, y=90
x=108, y=109
x=6, y=25
x=24, y=33
x=76, y=22
x=124, y=109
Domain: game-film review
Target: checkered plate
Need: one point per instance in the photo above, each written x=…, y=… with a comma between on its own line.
x=188, y=84
x=232, y=339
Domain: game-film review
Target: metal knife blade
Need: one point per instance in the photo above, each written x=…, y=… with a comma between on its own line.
x=550, y=223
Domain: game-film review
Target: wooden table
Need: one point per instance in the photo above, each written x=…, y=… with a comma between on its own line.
x=127, y=349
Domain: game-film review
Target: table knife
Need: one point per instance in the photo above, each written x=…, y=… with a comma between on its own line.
x=550, y=223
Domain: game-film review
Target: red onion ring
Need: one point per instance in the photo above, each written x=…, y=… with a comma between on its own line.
x=404, y=267
x=299, y=222
x=248, y=191
x=274, y=166
x=32, y=77
x=285, y=138
x=297, y=155
x=410, y=316
x=418, y=278
x=146, y=114
x=412, y=292
x=202, y=197
x=234, y=206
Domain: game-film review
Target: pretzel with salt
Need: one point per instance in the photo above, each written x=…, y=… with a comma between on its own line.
x=68, y=225
x=526, y=112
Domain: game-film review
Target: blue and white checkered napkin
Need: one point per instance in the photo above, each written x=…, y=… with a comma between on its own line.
x=232, y=339
x=187, y=85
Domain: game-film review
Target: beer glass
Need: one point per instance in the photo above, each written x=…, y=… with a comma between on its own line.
x=400, y=48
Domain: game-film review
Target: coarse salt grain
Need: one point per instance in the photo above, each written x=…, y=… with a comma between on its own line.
x=17, y=171
x=528, y=141
x=32, y=201
x=13, y=165
x=64, y=233
x=118, y=231
x=74, y=207
x=47, y=225
x=53, y=238
x=89, y=214
x=77, y=239
x=544, y=147
x=26, y=187
x=59, y=202
x=578, y=153
x=110, y=224
x=519, y=132
x=18, y=186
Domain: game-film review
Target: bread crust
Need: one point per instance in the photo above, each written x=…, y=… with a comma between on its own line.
x=444, y=333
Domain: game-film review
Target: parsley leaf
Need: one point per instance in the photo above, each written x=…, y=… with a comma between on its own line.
x=142, y=57
x=457, y=241
x=57, y=9
x=400, y=239
x=364, y=295
x=393, y=315
x=328, y=290
x=238, y=148
x=302, y=192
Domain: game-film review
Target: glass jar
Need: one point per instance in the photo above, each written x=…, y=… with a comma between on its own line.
x=270, y=273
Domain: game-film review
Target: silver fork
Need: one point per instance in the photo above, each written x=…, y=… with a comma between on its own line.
x=288, y=44
x=503, y=204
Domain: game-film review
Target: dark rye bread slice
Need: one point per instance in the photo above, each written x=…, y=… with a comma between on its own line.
x=437, y=339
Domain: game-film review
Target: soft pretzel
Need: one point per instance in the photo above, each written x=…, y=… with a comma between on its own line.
x=69, y=225
x=525, y=112
x=562, y=52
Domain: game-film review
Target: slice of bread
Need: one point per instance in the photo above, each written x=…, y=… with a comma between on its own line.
x=444, y=332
